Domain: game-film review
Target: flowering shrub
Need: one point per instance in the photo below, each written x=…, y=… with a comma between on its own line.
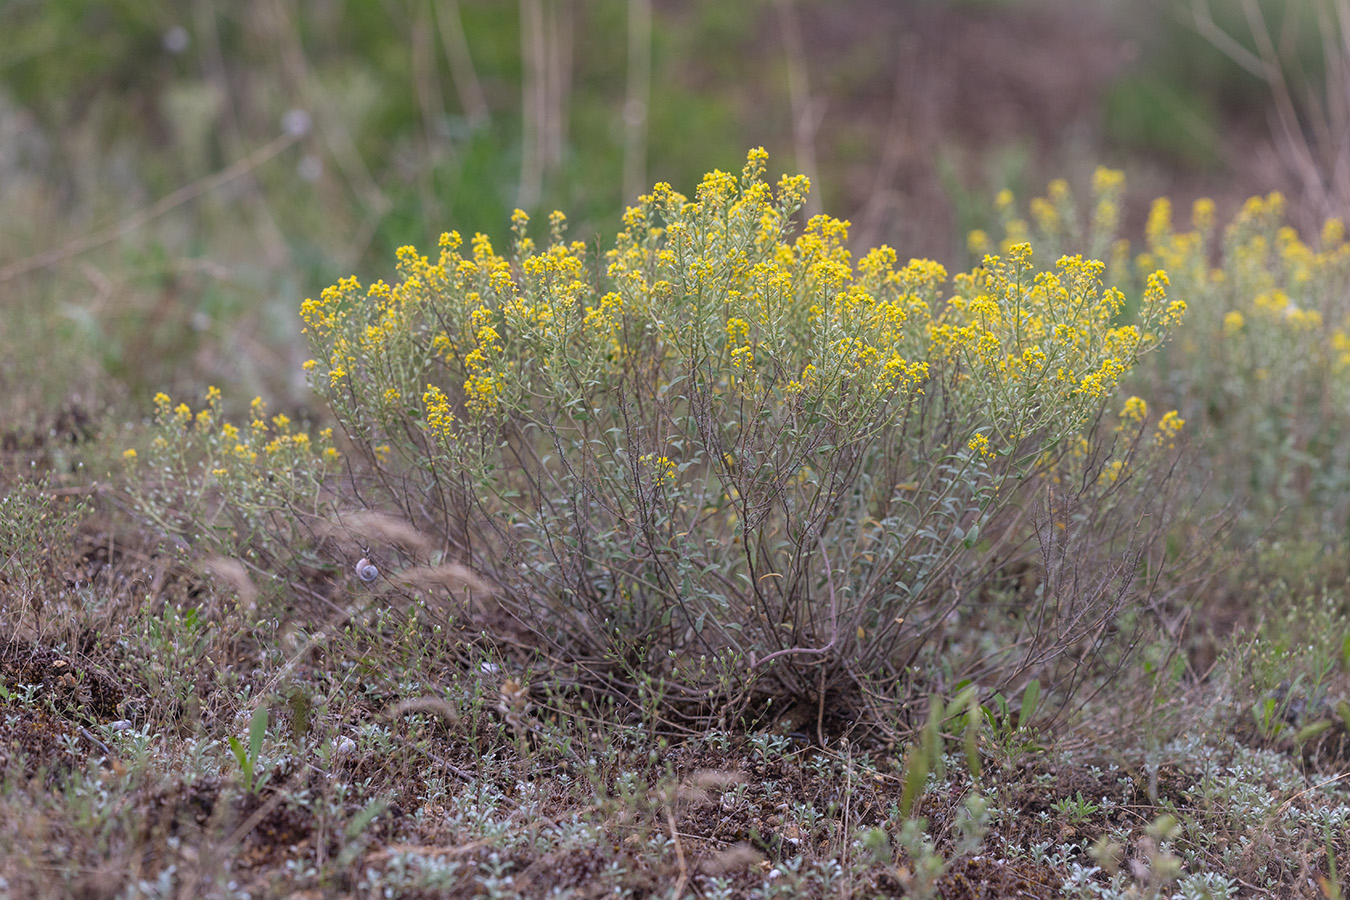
x=224, y=489
x=1265, y=364
x=731, y=457
x=1261, y=367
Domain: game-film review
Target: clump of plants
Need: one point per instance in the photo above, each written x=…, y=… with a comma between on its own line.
x=725, y=457
x=1260, y=366
x=1274, y=319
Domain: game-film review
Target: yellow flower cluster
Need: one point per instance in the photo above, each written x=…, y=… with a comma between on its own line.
x=1046, y=341
x=979, y=444
x=227, y=450
x=663, y=466
x=438, y=417
x=719, y=297
x=1135, y=410
x=1265, y=310
x=1169, y=426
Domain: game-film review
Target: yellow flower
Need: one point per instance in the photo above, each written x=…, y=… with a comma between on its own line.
x=439, y=419
x=1168, y=428
x=1333, y=233
x=1102, y=381
x=738, y=331
x=1159, y=222
x=1135, y=409
x=1202, y=214
x=665, y=468
x=1045, y=214
x=980, y=444
x=129, y=454
x=1105, y=180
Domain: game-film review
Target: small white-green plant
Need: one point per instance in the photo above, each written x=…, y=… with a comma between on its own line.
x=1076, y=809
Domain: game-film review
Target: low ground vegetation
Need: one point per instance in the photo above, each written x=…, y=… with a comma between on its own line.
x=715, y=561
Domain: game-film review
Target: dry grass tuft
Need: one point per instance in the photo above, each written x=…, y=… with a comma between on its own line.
x=455, y=578
x=362, y=528
x=704, y=785
x=734, y=859
x=233, y=573
x=429, y=704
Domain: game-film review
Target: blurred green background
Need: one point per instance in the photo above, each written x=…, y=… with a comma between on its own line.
x=177, y=175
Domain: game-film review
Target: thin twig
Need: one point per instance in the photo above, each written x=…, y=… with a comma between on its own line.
x=805, y=111
x=639, y=93
x=1286, y=804
x=679, y=853
x=834, y=619
x=456, y=46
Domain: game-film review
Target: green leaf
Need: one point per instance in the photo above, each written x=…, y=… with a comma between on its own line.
x=970, y=699
x=257, y=729
x=932, y=737
x=1030, y=697
x=972, y=536
x=240, y=756
x=916, y=778
x=1264, y=712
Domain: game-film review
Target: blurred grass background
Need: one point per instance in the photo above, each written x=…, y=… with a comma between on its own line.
x=177, y=175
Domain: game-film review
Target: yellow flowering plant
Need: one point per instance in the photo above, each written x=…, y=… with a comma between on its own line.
x=726, y=453
x=222, y=488
x=1262, y=368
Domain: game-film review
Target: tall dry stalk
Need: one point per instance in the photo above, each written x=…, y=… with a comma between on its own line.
x=806, y=110
x=546, y=55
x=430, y=106
x=1311, y=124
x=639, y=95
x=456, y=46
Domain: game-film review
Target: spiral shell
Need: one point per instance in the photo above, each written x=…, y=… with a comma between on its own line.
x=366, y=571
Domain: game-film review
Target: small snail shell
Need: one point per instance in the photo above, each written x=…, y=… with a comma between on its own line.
x=366, y=571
